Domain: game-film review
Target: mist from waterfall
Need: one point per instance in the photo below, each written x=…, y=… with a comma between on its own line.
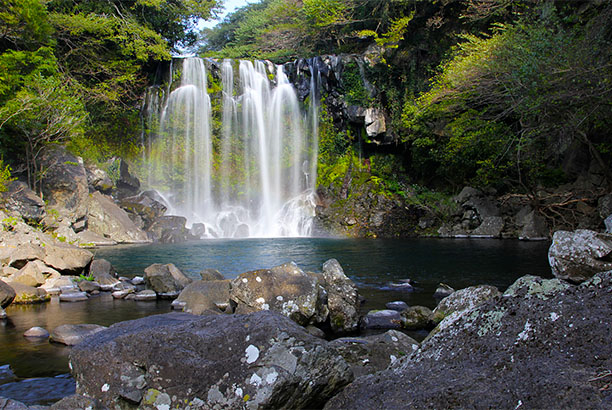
x=255, y=175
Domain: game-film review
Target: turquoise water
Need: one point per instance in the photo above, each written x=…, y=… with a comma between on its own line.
x=374, y=264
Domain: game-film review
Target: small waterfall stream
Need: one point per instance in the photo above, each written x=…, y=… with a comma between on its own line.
x=252, y=176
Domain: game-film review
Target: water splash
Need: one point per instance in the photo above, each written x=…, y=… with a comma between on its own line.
x=255, y=176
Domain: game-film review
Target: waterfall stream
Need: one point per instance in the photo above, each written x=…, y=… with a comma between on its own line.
x=251, y=175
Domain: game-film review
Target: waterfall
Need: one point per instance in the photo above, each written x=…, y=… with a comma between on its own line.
x=246, y=168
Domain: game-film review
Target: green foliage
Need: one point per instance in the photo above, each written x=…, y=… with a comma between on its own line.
x=82, y=277
x=323, y=13
x=391, y=38
x=5, y=176
x=353, y=84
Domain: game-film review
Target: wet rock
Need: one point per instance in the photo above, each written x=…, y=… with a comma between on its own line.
x=165, y=279
x=382, y=319
x=103, y=273
x=36, y=332
x=78, y=402
x=138, y=280
x=260, y=360
x=367, y=355
x=518, y=350
x=10, y=404
x=89, y=286
x=71, y=335
x=204, y=296
x=417, y=317
x=285, y=289
x=54, y=286
x=342, y=298
x=211, y=274
x=398, y=305
x=146, y=295
x=464, y=299
x=6, y=374
x=578, y=255
x=170, y=229
x=145, y=206
x=28, y=294
x=73, y=296
x=21, y=199
x=443, y=290
x=7, y=294
x=107, y=219
x=198, y=230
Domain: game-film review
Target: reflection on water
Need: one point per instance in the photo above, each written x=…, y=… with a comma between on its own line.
x=372, y=264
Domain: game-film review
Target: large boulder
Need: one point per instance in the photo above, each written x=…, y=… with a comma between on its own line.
x=521, y=350
x=21, y=254
x=578, y=255
x=104, y=274
x=107, y=219
x=367, y=355
x=127, y=184
x=145, y=205
x=74, y=334
x=166, y=280
x=205, y=296
x=21, y=199
x=342, y=298
x=64, y=183
x=286, y=289
x=67, y=259
x=98, y=179
x=7, y=294
x=255, y=361
x=170, y=229
x=25, y=294
x=462, y=300
x=30, y=275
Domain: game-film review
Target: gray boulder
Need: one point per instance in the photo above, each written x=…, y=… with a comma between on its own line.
x=104, y=274
x=515, y=351
x=416, y=317
x=29, y=275
x=71, y=335
x=533, y=226
x=22, y=254
x=608, y=224
x=98, y=179
x=21, y=199
x=146, y=295
x=78, y=402
x=205, y=296
x=342, y=298
x=170, y=229
x=107, y=219
x=578, y=255
x=464, y=300
x=443, y=290
x=491, y=227
x=382, y=319
x=367, y=355
x=145, y=206
x=89, y=286
x=211, y=274
x=397, y=305
x=67, y=259
x=10, y=404
x=73, y=296
x=285, y=289
x=25, y=295
x=36, y=332
x=165, y=280
x=127, y=184
x=7, y=294
x=260, y=360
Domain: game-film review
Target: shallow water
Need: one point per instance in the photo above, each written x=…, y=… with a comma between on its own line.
x=374, y=265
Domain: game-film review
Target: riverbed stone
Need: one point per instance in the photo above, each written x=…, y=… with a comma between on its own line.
x=286, y=289
x=367, y=355
x=71, y=335
x=7, y=294
x=578, y=255
x=36, y=332
x=259, y=360
x=205, y=296
x=342, y=298
x=73, y=296
x=28, y=294
x=146, y=295
x=397, y=305
x=89, y=286
x=416, y=317
x=165, y=279
x=211, y=274
x=103, y=273
x=462, y=300
x=443, y=290
x=507, y=352
x=382, y=319
x=98, y=179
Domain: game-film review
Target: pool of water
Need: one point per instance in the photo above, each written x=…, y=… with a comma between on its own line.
x=373, y=264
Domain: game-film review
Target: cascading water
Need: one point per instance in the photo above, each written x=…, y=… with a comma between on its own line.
x=255, y=175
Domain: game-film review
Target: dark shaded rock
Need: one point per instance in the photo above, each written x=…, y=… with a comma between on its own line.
x=7, y=294
x=464, y=299
x=73, y=334
x=98, y=179
x=36, y=332
x=145, y=206
x=105, y=218
x=608, y=224
x=165, y=279
x=285, y=289
x=260, y=360
x=103, y=273
x=342, y=298
x=578, y=255
x=491, y=227
x=417, y=317
x=170, y=229
x=21, y=199
x=205, y=296
x=533, y=226
x=367, y=355
x=508, y=352
x=211, y=274
x=78, y=402
x=127, y=184
x=382, y=319
x=10, y=404
x=442, y=291
x=6, y=374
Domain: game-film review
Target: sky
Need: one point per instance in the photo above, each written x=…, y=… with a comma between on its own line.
x=230, y=5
